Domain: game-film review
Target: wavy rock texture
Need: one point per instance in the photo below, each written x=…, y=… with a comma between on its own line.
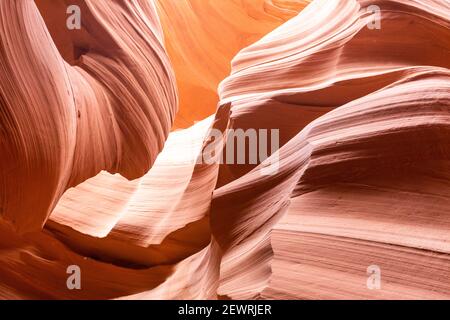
x=90, y=175
x=63, y=124
x=365, y=184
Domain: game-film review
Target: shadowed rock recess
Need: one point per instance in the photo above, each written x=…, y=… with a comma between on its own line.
x=102, y=129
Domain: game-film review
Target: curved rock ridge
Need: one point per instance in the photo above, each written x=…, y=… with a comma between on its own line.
x=160, y=218
x=63, y=124
x=370, y=178
x=319, y=61
x=361, y=179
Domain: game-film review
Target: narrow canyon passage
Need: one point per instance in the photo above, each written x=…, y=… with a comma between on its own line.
x=113, y=137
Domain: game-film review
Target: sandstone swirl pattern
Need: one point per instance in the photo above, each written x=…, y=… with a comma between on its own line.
x=90, y=176
x=63, y=124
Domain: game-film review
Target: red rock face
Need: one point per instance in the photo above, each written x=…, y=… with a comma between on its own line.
x=94, y=173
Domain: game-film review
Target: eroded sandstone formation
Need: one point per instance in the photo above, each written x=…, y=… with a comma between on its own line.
x=91, y=176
